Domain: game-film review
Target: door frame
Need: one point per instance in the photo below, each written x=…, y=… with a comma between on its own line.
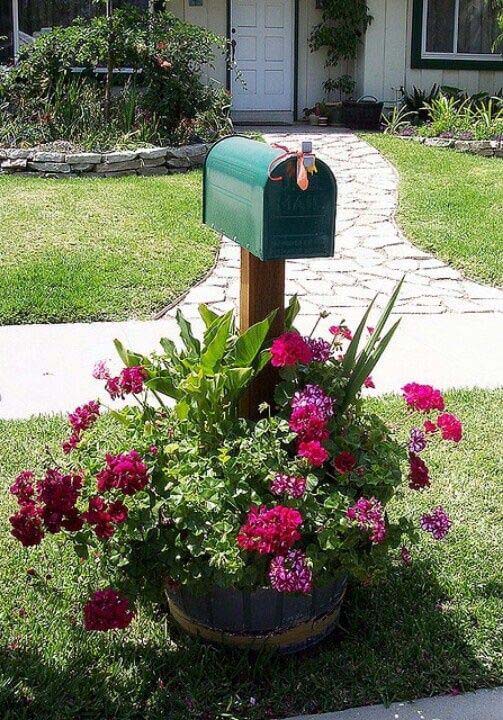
x=295, y=94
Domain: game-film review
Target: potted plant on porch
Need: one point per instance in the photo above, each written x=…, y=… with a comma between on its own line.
x=250, y=528
x=345, y=86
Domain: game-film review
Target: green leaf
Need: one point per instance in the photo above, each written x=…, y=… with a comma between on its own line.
x=263, y=359
x=129, y=358
x=207, y=315
x=291, y=312
x=215, y=350
x=164, y=386
x=214, y=327
x=249, y=344
x=236, y=379
x=349, y=357
x=168, y=346
x=191, y=343
x=182, y=409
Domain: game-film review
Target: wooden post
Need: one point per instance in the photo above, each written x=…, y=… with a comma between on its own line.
x=262, y=290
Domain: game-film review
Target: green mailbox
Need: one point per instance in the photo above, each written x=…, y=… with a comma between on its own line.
x=251, y=195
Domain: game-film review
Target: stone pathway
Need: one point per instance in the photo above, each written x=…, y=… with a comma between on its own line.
x=371, y=252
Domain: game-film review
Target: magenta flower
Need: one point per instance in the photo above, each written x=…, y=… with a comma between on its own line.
x=369, y=383
x=314, y=395
x=423, y=397
x=320, y=349
x=290, y=485
x=437, y=522
x=107, y=610
x=313, y=451
x=290, y=349
x=309, y=423
x=450, y=427
x=125, y=472
x=290, y=573
x=369, y=516
x=419, y=476
x=101, y=371
x=270, y=530
x=341, y=331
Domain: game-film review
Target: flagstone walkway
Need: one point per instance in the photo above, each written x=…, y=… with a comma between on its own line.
x=371, y=251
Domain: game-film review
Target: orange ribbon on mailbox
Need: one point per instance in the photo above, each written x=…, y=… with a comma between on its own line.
x=306, y=164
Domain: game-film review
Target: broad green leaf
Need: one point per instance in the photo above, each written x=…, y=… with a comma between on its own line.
x=182, y=409
x=291, y=312
x=164, y=386
x=168, y=346
x=263, y=359
x=207, y=315
x=215, y=350
x=236, y=379
x=129, y=358
x=191, y=343
x=214, y=327
x=249, y=344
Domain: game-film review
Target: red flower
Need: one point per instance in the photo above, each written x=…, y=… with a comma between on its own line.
x=130, y=381
x=313, y=451
x=419, y=477
x=290, y=349
x=344, y=462
x=107, y=610
x=104, y=517
x=83, y=417
x=58, y=495
x=341, y=330
x=23, y=487
x=126, y=472
x=429, y=426
x=368, y=382
x=450, y=427
x=272, y=530
x=27, y=525
x=309, y=422
x=423, y=397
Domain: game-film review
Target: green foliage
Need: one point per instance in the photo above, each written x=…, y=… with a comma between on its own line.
x=340, y=31
x=344, y=85
x=166, y=99
x=397, y=120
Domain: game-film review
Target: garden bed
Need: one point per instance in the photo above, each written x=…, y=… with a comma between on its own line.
x=484, y=148
x=56, y=162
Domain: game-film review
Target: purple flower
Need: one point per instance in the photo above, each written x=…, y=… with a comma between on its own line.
x=447, y=134
x=437, y=522
x=321, y=349
x=408, y=131
x=291, y=485
x=314, y=395
x=466, y=135
x=369, y=516
x=417, y=442
x=290, y=573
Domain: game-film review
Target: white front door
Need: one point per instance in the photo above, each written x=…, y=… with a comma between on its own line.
x=262, y=33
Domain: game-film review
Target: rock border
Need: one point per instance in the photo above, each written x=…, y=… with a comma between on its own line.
x=484, y=148
x=144, y=161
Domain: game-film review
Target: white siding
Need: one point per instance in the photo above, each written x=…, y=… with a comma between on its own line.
x=385, y=61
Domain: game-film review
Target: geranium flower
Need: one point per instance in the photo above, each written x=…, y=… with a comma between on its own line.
x=344, y=462
x=437, y=522
x=290, y=573
x=58, y=495
x=291, y=485
x=313, y=451
x=83, y=417
x=129, y=382
x=101, y=371
x=450, y=427
x=104, y=517
x=308, y=422
x=369, y=383
x=314, y=395
x=26, y=525
x=429, y=426
x=23, y=487
x=321, y=349
x=423, y=397
x=417, y=440
x=369, y=516
x=272, y=530
x=126, y=472
x=107, y=610
x=342, y=331
x=289, y=349
x=419, y=477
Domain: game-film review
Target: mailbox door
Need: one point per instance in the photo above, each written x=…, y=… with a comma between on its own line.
x=297, y=223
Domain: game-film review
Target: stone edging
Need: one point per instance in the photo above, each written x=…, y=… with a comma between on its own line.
x=144, y=161
x=485, y=148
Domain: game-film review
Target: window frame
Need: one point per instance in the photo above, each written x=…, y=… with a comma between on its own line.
x=420, y=58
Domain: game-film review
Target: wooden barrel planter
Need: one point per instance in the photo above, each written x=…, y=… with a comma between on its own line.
x=263, y=618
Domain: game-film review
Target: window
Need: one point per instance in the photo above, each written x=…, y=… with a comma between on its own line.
x=455, y=32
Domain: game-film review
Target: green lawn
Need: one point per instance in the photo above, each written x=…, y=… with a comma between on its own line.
x=431, y=628
x=99, y=249
x=451, y=204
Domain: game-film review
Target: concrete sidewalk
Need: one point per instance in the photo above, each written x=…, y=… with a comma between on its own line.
x=47, y=368
x=480, y=705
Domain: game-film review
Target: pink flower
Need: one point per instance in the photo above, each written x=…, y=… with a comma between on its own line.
x=129, y=382
x=107, y=610
x=101, y=371
x=342, y=331
x=344, y=462
x=126, y=472
x=290, y=349
x=313, y=451
x=369, y=516
x=423, y=397
x=429, y=426
x=406, y=556
x=308, y=423
x=58, y=495
x=437, y=522
x=450, y=427
x=321, y=349
x=370, y=329
x=290, y=485
x=27, y=525
x=23, y=487
x=368, y=382
x=71, y=443
x=272, y=530
x=104, y=517
x=314, y=395
x=419, y=477
x=290, y=573
x=83, y=417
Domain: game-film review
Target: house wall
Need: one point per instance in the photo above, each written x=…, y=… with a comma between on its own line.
x=311, y=66
x=384, y=62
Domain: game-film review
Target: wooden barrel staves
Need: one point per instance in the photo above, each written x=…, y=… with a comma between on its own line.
x=260, y=619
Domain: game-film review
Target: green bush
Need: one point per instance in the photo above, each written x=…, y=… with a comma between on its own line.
x=46, y=98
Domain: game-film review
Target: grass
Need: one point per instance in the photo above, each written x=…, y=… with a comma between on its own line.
x=450, y=204
x=427, y=629
x=99, y=249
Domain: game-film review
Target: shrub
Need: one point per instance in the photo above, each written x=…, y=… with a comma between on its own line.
x=167, y=90
x=199, y=496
